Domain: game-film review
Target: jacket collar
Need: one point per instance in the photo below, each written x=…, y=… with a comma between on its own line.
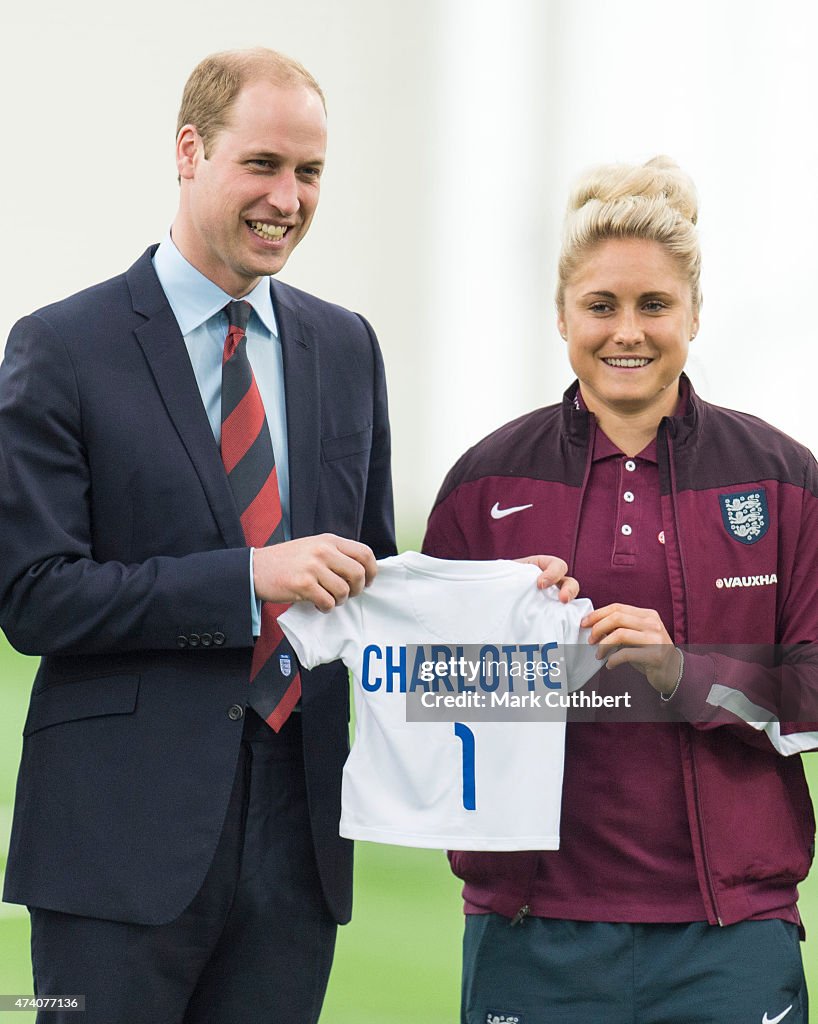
x=164, y=349
x=303, y=400
x=165, y=353
x=577, y=422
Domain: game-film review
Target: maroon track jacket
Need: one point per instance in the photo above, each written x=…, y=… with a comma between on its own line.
x=740, y=519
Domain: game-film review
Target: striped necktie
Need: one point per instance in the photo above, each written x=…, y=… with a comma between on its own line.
x=247, y=453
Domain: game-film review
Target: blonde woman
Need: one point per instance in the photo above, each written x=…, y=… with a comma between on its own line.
x=673, y=897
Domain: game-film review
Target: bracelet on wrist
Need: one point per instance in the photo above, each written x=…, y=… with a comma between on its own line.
x=668, y=696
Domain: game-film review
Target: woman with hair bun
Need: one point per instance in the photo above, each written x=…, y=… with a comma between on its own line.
x=673, y=896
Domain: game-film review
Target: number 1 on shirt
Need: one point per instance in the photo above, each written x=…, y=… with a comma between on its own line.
x=466, y=737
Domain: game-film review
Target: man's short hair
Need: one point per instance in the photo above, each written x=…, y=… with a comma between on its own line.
x=217, y=80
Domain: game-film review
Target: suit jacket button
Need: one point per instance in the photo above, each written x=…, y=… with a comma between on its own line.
x=219, y=639
x=181, y=640
x=235, y=712
x=207, y=639
x=193, y=639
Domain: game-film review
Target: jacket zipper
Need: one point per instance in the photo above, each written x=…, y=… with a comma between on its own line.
x=589, y=460
x=711, y=889
x=525, y=909
x=521, y=915
x=699, y=828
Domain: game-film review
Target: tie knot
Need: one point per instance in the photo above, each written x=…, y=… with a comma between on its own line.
x=238, y=313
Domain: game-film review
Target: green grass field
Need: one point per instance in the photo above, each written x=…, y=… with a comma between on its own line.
x=397, y=963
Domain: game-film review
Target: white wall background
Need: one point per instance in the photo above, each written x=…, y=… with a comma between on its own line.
x=456, y=127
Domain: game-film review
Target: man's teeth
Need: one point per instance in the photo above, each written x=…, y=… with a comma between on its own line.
x=628, y=364
x=273, y=231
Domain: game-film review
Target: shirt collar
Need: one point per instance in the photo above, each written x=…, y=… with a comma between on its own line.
x=194, y=298
x=604, y=448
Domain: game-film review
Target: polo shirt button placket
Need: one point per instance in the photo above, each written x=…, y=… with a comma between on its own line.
x=624, y=550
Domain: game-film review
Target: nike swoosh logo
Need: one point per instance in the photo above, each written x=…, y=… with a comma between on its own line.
x=774, y=1020
x=501, y=513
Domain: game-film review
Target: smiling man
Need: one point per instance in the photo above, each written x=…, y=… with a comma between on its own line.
x=184, y=450
x=249, y=192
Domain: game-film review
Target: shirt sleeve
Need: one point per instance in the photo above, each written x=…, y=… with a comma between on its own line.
x=255, y=603
x=321, y=637
x=580, y=657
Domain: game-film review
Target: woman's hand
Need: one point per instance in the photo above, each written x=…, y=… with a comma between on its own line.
x=636, y=636
x=553, y=574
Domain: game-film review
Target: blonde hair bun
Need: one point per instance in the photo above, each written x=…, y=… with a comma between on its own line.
x=660, y=178
x=655, y=201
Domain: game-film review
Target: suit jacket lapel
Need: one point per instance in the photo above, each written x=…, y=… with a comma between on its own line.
x=302, y=395
x=167, y=357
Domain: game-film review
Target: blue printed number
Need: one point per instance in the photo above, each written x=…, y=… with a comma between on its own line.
x=466, y=737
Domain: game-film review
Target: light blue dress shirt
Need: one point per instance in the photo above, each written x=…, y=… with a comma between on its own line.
x=198, y=304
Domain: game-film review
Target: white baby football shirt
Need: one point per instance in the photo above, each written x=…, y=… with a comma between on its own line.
x=464, y=784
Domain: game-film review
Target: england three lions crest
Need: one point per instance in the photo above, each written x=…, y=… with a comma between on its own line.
x=745, y=514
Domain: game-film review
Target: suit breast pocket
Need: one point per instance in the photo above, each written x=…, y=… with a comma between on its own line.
x=344, y=472
x=358, y=443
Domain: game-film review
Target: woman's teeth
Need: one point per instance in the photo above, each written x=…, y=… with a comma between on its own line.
x=628, y=364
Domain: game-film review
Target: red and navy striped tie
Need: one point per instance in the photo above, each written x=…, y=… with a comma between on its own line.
x=247, y=453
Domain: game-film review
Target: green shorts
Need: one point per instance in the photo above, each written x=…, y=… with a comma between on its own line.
x=546, y=971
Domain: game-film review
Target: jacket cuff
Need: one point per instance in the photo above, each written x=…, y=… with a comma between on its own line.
x=690, y=698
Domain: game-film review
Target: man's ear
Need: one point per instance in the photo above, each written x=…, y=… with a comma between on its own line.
x=189, y=149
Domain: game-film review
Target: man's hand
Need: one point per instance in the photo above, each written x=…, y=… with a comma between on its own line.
x=553, y=574
x=636, y=636
x=325, y=570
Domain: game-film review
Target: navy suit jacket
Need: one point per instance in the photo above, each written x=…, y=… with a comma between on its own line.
x=123, y=564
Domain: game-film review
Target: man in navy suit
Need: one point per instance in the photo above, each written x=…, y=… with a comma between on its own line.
x=180, y=858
